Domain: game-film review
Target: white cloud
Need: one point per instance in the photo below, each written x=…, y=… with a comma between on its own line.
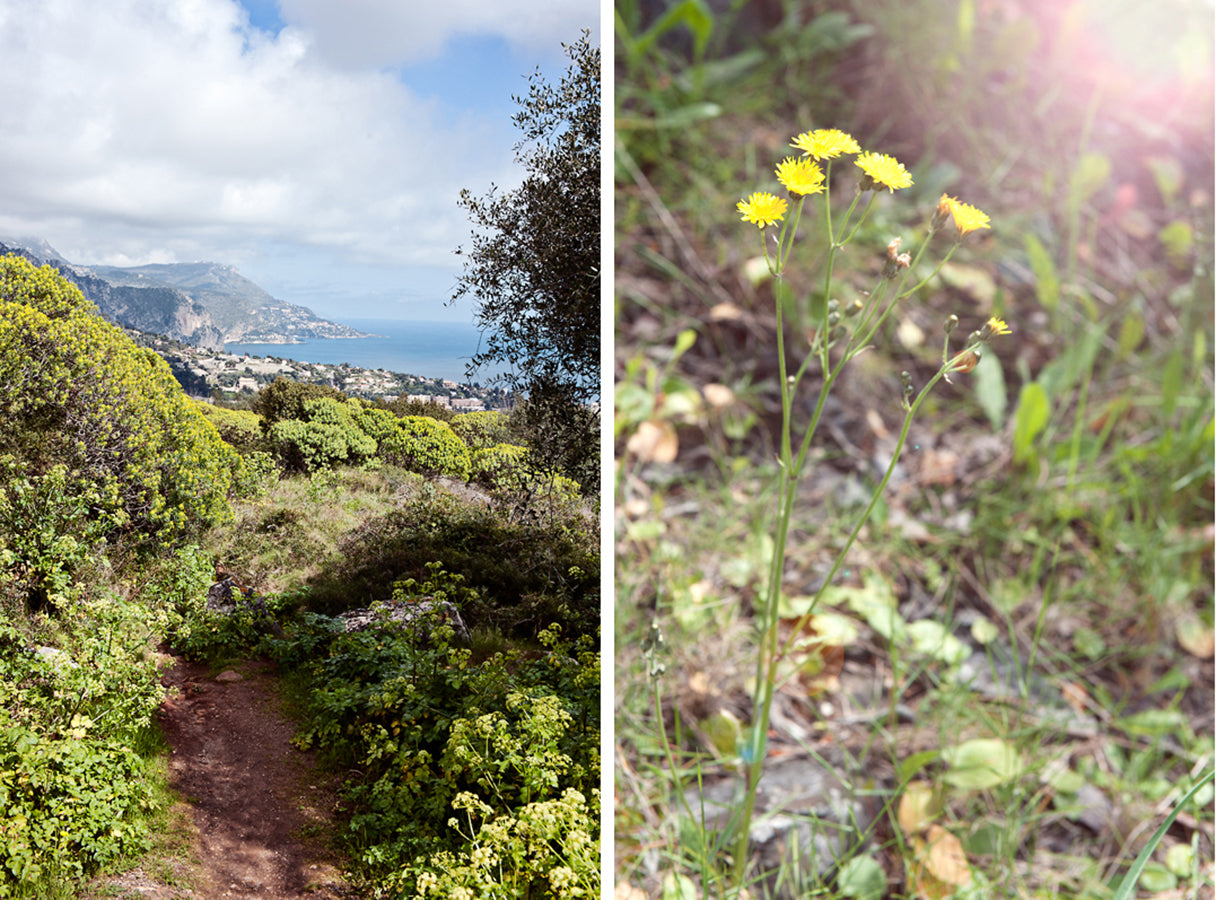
x=392, y=32
x=133, y=129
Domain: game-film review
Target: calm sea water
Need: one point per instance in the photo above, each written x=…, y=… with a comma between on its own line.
x=426, y=349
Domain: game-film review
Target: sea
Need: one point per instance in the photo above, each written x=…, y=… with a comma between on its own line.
x=425, y=349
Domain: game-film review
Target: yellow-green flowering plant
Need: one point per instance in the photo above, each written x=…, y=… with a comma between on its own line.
x=836, y=336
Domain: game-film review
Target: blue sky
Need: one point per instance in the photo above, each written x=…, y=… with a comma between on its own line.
x=318, y=146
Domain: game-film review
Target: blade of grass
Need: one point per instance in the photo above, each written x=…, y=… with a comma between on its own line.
x=1127, y=888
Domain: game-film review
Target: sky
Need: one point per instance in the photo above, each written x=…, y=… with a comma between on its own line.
x=319, y=146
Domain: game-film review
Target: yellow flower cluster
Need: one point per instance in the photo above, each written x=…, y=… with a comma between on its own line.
x=803, y=176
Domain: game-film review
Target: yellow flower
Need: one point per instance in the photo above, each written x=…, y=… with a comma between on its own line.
x=826, y=143
x=800, y=176
x=883, y=170
x=994, y=327
x=762, y=208
x=968, y=219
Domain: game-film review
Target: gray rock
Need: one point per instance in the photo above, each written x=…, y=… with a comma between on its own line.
x=406, y=614
x=807, y=818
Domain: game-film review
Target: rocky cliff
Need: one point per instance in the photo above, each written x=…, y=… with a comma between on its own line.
x=204, y=304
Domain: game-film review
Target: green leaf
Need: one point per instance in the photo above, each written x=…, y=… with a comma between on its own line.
x=862, y=878
x=1044, y=269
x=914, y=763
x=981, y=763
x=1154, y=722
x=1031, y=418
x=990, y=390
x=934, y=640
x=1131, y=332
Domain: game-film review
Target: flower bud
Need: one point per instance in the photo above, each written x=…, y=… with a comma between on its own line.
x=951, y=324
x=854, y=308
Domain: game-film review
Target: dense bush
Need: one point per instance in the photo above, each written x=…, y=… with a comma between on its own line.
x=526, y=573
x=403, y=407
x=99, y=442
x=240, y=428
x=427, y=446
x=73, y=792
x=285, y=399
x=482, y=429
x=431, y=733
x=563, y=433
x=325, y=434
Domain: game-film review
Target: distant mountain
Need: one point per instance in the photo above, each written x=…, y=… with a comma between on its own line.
x=204, y=304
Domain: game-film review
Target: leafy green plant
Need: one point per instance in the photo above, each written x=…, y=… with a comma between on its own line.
x=481, y=430
x=410, y=714
x=426, y=445
x=79, y=393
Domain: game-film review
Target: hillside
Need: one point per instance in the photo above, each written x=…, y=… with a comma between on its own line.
x=204, y=304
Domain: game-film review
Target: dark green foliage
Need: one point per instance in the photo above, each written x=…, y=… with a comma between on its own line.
x=284, y=399
x=403, y=407
x=534, y=266
x=324, y=434
x=526, y=573
x=388, y=706
x=563, y=433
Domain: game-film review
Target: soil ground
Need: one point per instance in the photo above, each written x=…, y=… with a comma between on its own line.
x=258, y=811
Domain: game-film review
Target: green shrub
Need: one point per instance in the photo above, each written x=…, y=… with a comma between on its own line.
x=99, y=441
x=284, y=399
x=426, y=446
x=526, y=573
x=73, y=791
x=326, y=434
x=482, y=429
x=510, y=471
x=240, y=428
x=426, y=728
x=258, y=473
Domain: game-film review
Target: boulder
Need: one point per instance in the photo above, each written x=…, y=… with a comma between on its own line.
x=407, y=614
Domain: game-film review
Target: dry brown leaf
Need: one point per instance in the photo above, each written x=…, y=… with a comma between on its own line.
x=654, y=441
x=719, y=396
x=918, y=807
x=725, y=312
x=625, y=891
x=1075, y=695
x=945, y=859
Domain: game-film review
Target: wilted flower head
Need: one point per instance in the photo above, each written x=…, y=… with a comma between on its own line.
x=883, y=170
x=825, y=143
x=762, y=208
x=800, y=176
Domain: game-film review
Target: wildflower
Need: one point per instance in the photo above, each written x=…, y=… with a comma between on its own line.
x=966, y=217
x=826, y=143
x=762, y=208
x=993, y=328
x=883, y=170
x=800, y=176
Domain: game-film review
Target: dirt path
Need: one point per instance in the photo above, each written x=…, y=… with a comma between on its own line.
x=261, y=812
